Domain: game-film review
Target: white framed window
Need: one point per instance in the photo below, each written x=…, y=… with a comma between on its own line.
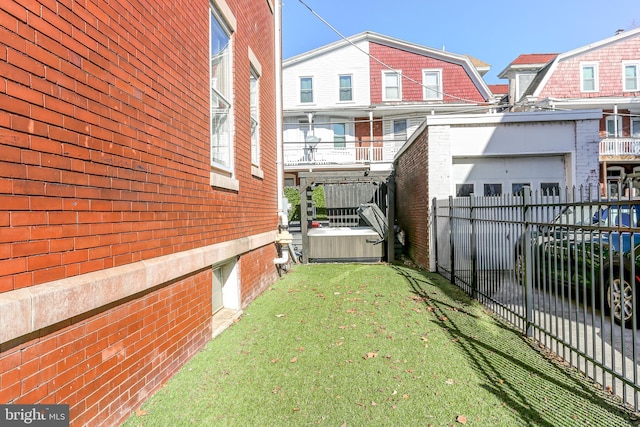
x=254, y=83
x=517, y=187
x=589, y=77
x=493, y=189
x=221, y=93
x=432, y=85
x=550, y=188
x=465, y=190
x=339, y=135
x=400, y=129
x=346, y=87
x=306, y=89
x=630, y=75
x=391, y=85
x=614, y=126
x=635, y=127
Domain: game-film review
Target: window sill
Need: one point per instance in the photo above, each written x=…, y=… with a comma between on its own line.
x=221, y=181
x=257, y=172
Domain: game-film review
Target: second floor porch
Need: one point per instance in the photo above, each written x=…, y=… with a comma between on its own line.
x=300, y=153
x=622, y=147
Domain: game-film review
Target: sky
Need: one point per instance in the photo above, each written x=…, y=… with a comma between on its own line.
x=492, y=31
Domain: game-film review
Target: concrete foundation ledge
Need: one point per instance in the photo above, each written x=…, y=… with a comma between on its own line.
x=23, y=311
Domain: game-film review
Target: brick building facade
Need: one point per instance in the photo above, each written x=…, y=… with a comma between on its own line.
x=118, y=233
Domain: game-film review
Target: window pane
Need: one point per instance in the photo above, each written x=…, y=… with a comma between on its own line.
x=345, y=88
x=550, y=188
x=220, y=55
x=339, y=137
x=464, y=190
x=306, y=89
x=588, y=78
x=635, y=127
x=431, y=85
x=400, y=129
x=493, y=189
x=220, y=63
x=391, y=86
x=631, y=77
x=516, y=189
x=255, y=134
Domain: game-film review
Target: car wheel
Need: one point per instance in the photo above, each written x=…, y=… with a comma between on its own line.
x=620, y=299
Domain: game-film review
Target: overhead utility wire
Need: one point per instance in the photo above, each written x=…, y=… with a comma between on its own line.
x=376, y=59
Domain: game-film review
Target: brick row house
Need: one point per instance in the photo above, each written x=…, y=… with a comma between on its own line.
x=139, y=190
x=603, y=75
x=352, y=104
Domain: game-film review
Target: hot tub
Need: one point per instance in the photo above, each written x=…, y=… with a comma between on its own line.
x=344, y=244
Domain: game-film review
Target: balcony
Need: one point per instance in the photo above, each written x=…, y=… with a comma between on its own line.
x=620, y=147
x=327, y=154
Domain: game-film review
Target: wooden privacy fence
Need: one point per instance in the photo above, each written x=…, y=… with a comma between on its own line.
x=561, y=268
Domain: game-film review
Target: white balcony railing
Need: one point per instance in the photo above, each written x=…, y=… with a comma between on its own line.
x=327, y=154
x=620, y=147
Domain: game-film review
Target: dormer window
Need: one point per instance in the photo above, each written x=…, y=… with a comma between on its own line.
x=630, y=77
x=589, y=77
x=432, y=85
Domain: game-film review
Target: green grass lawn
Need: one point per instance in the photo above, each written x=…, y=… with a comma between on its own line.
x=373, y=345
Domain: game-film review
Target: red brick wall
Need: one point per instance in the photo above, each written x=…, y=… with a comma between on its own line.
x=455, y=80
x=412, y=200
x=104, y=135
x=109, y=363
x=105, y=161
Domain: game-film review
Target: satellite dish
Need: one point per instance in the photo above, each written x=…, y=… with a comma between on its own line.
x=312, y=140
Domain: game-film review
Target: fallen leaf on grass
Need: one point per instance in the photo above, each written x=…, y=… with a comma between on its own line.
x=141, y=412
x=280, y=315
x=294, y=360
x=374, y=404
x=370, y=355
x=276, y=360
x=449, y=381
x=461, y=419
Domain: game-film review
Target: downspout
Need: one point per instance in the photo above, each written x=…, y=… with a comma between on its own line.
x=283, y=237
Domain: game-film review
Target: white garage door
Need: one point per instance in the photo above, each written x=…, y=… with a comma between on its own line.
x=507, y=175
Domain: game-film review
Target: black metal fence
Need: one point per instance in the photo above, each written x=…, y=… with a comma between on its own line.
x=563, y=268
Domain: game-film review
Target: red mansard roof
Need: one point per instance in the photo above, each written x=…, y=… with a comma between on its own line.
x=534, y=58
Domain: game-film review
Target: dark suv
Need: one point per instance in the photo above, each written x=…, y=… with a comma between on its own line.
x=587, y=245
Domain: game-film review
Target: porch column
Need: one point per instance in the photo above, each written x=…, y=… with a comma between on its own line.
x=370, y=134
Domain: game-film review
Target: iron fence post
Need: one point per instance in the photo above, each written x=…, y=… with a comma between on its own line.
x=528, y=261
x=451, y=242
x=435, y=232
x=473, y=248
